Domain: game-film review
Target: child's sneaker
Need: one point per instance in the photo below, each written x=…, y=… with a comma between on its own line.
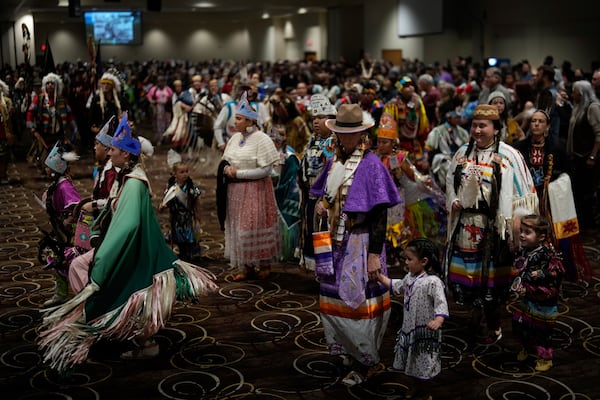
x=149, y=350
x=492, y=338
x=353, y=378
x=542, y=365
x=346, y=360
x=411, y=393
x=522, y=356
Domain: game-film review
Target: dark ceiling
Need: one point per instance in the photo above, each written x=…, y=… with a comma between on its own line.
x=12, y=9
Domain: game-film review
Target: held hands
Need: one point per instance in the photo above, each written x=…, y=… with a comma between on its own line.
x=373, y=266
x=386, y=281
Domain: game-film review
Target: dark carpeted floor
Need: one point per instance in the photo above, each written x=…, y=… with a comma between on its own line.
x=260, y=339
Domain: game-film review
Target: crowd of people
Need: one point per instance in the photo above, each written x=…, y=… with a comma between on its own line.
x=453, y=170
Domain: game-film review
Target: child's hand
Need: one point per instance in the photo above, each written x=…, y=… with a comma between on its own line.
x=380, y=276
x=436, y=323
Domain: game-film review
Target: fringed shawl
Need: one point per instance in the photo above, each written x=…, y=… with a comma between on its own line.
x=518, y=190
x=134, y=283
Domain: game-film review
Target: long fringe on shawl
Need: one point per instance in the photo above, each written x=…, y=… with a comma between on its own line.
x=66, y=338
x=528, y=204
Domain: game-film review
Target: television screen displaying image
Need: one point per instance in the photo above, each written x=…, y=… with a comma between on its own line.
x=114, y=27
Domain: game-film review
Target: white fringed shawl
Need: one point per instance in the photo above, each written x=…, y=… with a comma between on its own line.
x=517, y=193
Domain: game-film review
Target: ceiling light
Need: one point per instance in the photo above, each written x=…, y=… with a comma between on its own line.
x=63, y=3
x=302, y=10
x=265, y=15
x=204, y=4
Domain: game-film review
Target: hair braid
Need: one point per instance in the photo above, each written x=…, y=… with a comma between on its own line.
x=496, y=182
x=460, y=166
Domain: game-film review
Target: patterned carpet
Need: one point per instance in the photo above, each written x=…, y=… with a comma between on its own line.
x=259, y=339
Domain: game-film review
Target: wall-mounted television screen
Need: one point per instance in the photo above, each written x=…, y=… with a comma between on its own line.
x=114, y=27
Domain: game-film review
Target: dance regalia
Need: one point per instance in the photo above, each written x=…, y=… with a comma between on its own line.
x=535, y=316
x=354, y=310
x=60, y=199
x=418, y=348
x=182, y=216
x=134, y=283
x=251, y=224
x=397, y=231
x=549, y=166
x=413, y=125
x=480, y=264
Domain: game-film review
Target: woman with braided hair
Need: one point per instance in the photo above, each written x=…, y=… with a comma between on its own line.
x=487, y=182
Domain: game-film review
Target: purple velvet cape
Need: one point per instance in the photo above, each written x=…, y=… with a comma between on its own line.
x=372, y=186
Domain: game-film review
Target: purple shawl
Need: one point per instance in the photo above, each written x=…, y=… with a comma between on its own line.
x=65, y=196
x=372, y=185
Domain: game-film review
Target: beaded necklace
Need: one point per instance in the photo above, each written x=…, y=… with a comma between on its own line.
x=245, y=136
x=409, y=290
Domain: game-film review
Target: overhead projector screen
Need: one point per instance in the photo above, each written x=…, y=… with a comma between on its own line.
x=419, y=17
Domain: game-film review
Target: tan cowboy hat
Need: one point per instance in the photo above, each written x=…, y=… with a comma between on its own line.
x=349, y=119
